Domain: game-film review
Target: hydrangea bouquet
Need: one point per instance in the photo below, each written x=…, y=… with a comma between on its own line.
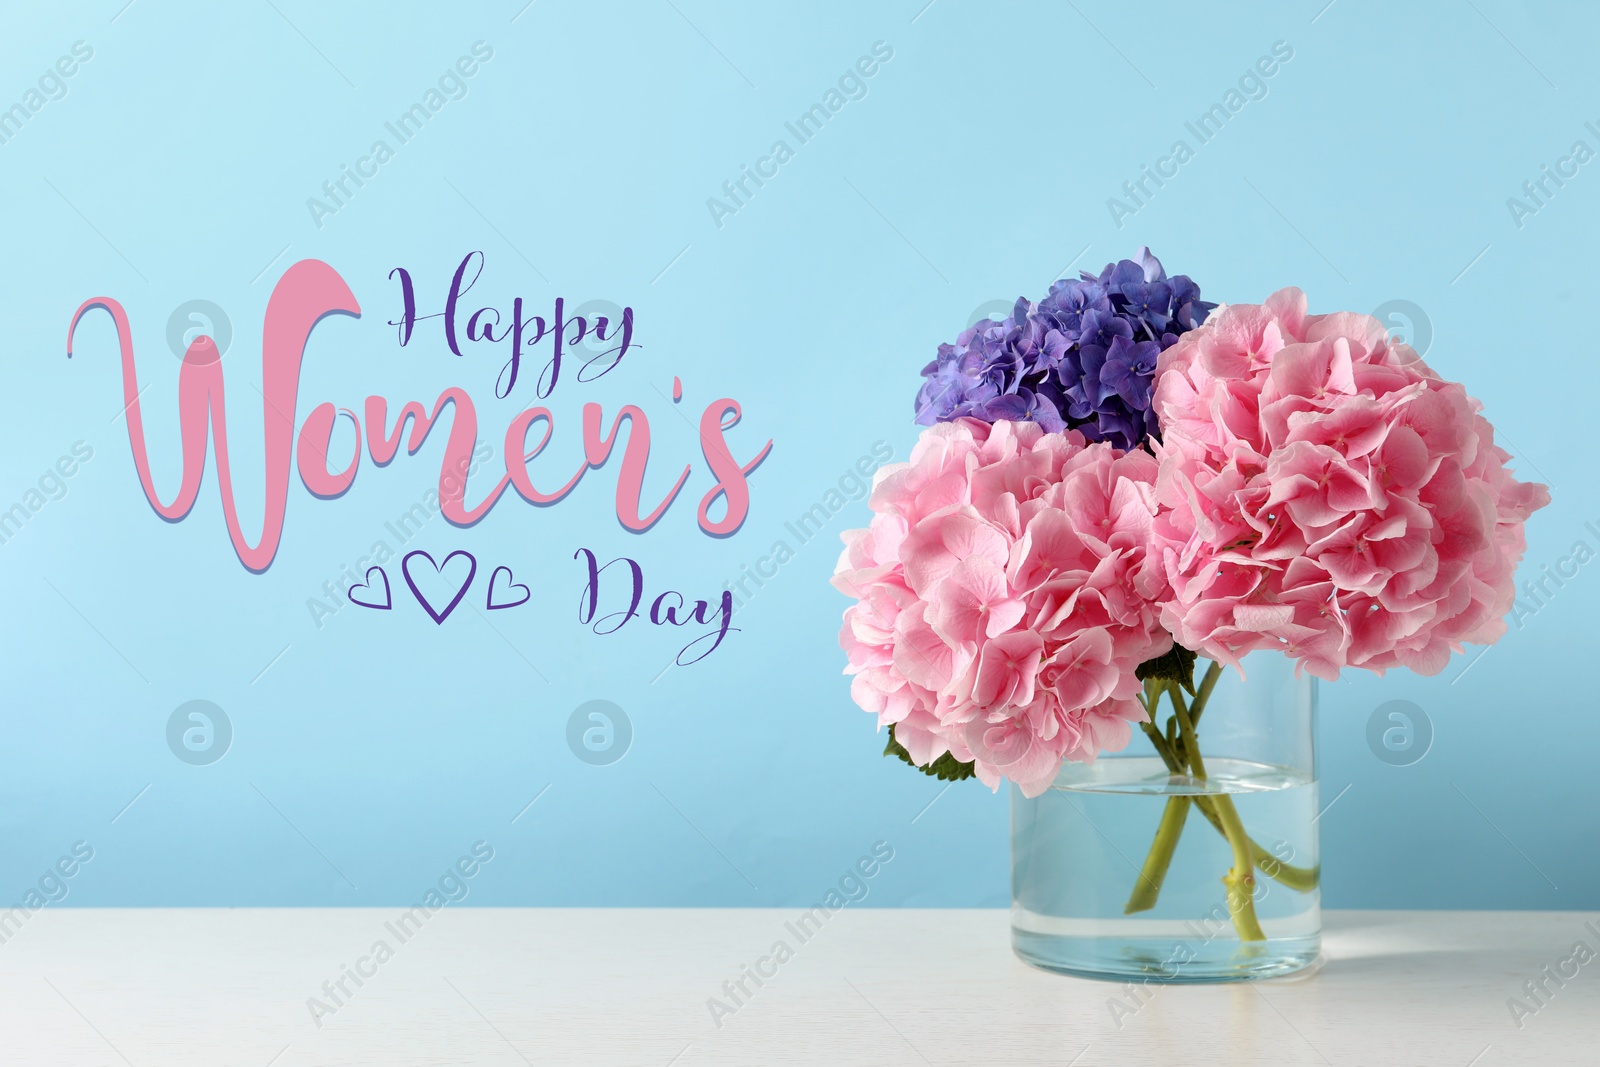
x=1122, y=476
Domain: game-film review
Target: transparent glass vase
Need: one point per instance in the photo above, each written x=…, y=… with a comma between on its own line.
x=1154, y=864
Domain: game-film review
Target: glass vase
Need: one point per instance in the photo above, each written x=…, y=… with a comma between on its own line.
x=1191, y=855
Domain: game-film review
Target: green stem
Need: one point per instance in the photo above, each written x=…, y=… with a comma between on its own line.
x=1202, y=695
x=1241, y=880
x=1159, y=857
x=1300, y=879
x=1164, y=748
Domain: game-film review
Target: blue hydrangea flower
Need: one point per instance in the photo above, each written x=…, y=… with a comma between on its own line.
x=1082, y=358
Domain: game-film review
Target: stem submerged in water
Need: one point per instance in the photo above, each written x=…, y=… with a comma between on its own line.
x=1241, y=880
x=1148, y=888
x=1181, y=754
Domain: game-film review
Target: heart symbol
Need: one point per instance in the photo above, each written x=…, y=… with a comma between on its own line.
x=439, y=616
x=374, y=602
x=512, y=585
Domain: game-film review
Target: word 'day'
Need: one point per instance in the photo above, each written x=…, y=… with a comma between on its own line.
x=666, y=610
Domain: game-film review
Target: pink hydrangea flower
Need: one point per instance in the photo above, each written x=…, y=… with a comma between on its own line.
x=1324, y=492
x=1004, y=595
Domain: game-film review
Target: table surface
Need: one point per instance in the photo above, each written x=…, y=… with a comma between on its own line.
x=873, y=986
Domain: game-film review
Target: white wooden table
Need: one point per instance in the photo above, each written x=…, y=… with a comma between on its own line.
x=512, y=986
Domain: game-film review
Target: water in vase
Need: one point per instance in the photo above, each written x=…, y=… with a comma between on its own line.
x=1080, y=861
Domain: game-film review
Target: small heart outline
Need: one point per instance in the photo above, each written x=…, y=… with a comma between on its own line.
x=388, y=596
x=512, y=583
x=438, y=617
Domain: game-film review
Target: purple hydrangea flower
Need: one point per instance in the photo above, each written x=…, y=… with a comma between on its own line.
x=1083, y=358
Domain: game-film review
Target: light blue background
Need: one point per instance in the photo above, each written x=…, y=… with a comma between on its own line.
x=378, y=748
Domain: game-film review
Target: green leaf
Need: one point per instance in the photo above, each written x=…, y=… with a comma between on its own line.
x=1175, y=666
x=946, y=768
